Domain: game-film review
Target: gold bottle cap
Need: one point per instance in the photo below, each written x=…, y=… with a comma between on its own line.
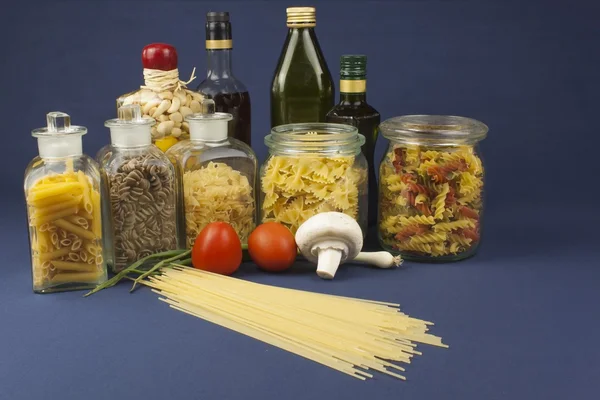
x=301, y=17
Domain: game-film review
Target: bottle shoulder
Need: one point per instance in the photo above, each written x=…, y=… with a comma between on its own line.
x=348, y=110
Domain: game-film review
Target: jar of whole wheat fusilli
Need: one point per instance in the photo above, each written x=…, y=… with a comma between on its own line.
x=314, y=168
x=140, y=184
x=431, y=187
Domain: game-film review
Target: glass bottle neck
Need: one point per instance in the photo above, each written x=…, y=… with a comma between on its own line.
x=353, y=98
x=219, y=64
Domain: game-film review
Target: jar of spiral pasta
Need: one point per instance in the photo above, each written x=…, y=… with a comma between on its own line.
x=140, y=184
x=431, y=187
x=62, y=192
x=314, y=168
x=216, y=177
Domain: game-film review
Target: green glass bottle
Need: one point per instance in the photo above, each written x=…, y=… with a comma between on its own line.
x=302, y=89
x=353, y=109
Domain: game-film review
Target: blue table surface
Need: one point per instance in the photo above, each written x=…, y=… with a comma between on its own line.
x=520, y=319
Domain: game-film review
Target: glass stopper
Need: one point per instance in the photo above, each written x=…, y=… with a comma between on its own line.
x=208, y=106
x=58, y=121
x=130, y=112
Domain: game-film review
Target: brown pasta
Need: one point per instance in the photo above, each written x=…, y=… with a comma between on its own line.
x=142, y=202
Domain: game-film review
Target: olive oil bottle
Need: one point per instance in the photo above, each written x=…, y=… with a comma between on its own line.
x=302, y=89
x=353, y=109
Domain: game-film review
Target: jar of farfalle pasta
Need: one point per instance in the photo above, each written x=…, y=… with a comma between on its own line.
x=431, y=187
x=216, y=176
x=62, y=191
x=314, y=168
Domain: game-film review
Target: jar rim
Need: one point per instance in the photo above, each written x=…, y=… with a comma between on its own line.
x=434, y=129
x=311, y=137
x=73, y=130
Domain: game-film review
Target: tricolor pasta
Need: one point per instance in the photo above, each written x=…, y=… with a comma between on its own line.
x=430, y=200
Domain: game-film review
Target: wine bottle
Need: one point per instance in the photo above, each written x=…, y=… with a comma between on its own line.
x=229, y=94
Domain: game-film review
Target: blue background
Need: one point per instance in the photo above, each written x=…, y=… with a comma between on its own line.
x=520, y=317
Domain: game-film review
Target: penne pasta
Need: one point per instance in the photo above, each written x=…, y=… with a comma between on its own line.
x=48, y=201
x=73, y=266
x=54, y=216
x=79, y=231
x=54, y=254
x=42, y=211
x=55, y=189
x=76, y=277
x=87, y=202
x=97, y=215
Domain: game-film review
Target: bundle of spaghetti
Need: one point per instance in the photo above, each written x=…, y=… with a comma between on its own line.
x=347, y=334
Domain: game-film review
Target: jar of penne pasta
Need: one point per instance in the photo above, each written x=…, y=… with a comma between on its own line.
x=216, y=176
x=62, y=191
x=313, y=168
x=431, y=187
x=140, y=185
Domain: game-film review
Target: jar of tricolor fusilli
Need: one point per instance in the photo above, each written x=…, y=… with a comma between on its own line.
x=313, y=168
x=431, y=187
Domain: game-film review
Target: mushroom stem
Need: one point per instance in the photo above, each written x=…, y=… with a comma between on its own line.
x=381, y=259
x=329, y=261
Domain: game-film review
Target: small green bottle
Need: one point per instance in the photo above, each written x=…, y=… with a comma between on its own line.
x=353, y=109
x=302, y=89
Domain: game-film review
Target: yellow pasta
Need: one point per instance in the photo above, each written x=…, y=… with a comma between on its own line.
x=217, y=192
x=87, y=201
x=295, y=188
x=56, y=208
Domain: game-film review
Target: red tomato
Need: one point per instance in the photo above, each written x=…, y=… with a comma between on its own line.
x=217, y=249
x=272, y=247
x=159, y=56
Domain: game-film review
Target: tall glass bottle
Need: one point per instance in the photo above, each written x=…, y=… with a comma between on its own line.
x=229, y=94
x=302, y=89
x=353, y=109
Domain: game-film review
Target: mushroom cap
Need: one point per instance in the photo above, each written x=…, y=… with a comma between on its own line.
x=330, y=227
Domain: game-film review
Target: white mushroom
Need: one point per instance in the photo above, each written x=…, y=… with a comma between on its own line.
x=332, y=238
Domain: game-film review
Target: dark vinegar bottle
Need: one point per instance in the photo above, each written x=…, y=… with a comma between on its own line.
x=302, y=89
x=229, y=94
x=353, y=109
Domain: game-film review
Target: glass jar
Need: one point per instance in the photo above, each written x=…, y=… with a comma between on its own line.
x=431, y=187
x=217, y=178
x=62, y=191
x=163, y=96
x=141, y=190
x=314, y=168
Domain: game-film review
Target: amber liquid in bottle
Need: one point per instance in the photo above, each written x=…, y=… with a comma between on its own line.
x=302, y=89
x=353, y=109
x=229, y=94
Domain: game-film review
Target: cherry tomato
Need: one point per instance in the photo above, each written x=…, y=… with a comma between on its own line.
x=217, y=249
x=159, y=56
x=272, y=247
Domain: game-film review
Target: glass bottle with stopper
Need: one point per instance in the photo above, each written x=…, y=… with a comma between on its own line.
x=353, y=109
x=302, y=89
x=164, y=96
x=229, y=93
x=62, y=192
x=140, y=187
x=216, y=176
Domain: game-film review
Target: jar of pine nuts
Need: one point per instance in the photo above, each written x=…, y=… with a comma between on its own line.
x=431, y=187
x=163, y=96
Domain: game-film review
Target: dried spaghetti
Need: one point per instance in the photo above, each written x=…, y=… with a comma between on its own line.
x=347, y=334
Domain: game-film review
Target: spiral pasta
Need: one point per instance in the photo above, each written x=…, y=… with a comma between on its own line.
x=430, y=200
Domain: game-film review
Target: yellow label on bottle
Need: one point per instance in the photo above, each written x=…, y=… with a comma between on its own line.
x=219, y=44
x=351, y=86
